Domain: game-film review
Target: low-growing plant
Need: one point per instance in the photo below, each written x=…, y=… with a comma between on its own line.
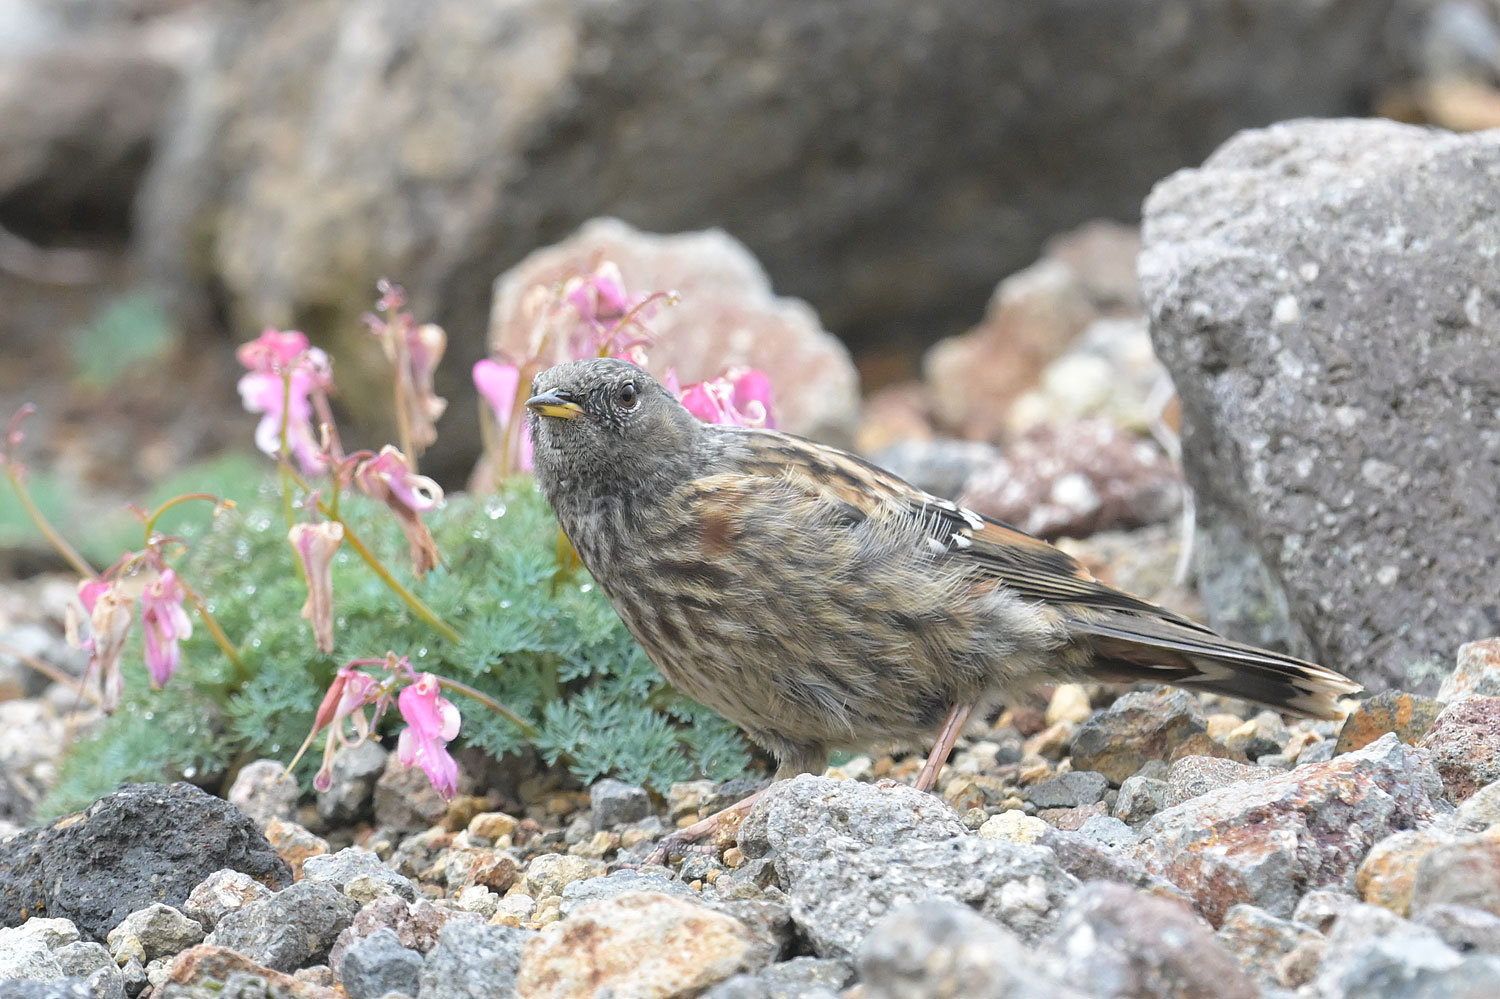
x=312, y=602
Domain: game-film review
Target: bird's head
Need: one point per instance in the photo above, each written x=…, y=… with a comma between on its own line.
x=604, y=423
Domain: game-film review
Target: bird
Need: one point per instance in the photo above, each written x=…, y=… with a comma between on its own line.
x=821, y=602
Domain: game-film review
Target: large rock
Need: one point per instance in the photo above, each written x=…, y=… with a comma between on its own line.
x=1267, y=842
x=145, y=843
x=642, y=944
x=846, y=853
x=327, y=142
x=1372, y=952
x=1323, y=293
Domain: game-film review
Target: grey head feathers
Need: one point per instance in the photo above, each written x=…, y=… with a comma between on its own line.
x=604, y=424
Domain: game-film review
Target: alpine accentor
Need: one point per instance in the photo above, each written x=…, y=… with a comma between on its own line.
x=821, y=602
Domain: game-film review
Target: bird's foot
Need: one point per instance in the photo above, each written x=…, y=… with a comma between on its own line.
x=682, y=842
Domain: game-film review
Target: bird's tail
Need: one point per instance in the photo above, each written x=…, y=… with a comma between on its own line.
x=1133, y=647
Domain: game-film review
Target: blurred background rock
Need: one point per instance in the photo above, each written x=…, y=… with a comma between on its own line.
x=953, y=188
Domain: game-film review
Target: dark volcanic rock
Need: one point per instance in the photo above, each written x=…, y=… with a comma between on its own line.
x=1324, y=295
x=145, y=843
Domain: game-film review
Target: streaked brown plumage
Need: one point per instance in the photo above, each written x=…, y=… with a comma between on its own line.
x=821, y=602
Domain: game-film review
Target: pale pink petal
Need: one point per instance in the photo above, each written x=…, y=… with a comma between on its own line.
x=315, y=545
x=274, y=350
x=90, y=590
x=497, y=384
x=111, y=626
x=164, y=624
x=752, y=395
x=431, y=722
x=700, y=401
x=609, y=286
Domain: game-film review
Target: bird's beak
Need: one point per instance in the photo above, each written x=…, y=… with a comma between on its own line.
x=556, y=404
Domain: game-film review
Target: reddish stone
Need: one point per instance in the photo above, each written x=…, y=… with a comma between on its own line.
x=1075, y=479
x=1477, y=673
x=1465, y=745
x=1032, y=318
x=1408, y=715
x=208, y=965
x=1269, y=842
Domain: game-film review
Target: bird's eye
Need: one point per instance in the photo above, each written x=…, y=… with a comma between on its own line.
x=627, y=396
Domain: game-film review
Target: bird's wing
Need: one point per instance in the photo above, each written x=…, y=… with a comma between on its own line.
x=1030, y=566
x=1132, y=638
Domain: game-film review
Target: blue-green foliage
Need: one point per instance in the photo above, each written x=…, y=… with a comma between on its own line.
x=544, y=643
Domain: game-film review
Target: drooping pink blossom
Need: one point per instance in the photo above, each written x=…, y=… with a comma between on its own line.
x=108, y=608
x=740, y=397
x=414, y=352
x=274, y=352
x=347, y=696
x=389, y=474
x=388, y=477
x=315, y=545
x=164, y=624
x=599, y=319
x=284, y=372
x=598, y=295
x=425, y=346
x=497, y=385
x=432, y=722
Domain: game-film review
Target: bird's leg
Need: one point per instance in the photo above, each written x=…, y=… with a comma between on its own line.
x=702, y=829
x=953, y=725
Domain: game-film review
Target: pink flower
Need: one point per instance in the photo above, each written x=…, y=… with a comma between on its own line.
x=425, y=346
x=165, y=623
x=432, y=722
x=740, y=397
x=414, y=351
x=274, y=359
x=315, y=545
x=598, y=295
x=273, y=352
x=347, y=696
x=388, y=477
x=497, y=384
x=109, y=622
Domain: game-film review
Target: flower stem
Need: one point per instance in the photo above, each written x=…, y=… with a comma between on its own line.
x=222, y=640
x=50, y=672
x=489, y=702
x=56, y=540
x=378, y=567
x=152, y=517
x=373, y=561
x=283, y=452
